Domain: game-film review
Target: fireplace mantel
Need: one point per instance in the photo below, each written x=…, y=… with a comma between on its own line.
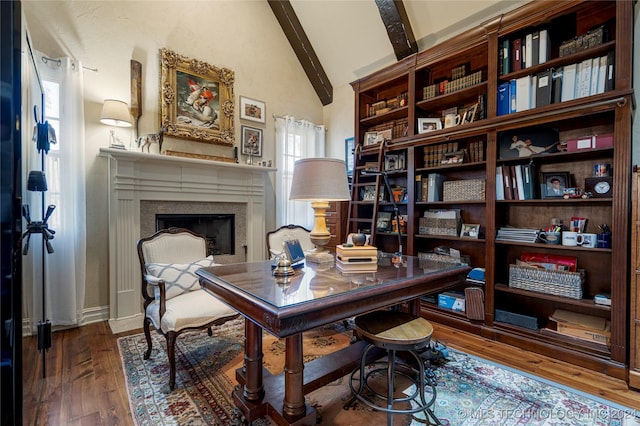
x=137, y=176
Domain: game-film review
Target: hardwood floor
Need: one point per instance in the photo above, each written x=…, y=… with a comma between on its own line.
x=85, y=384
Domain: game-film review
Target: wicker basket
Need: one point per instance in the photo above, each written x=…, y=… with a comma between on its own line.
x=557, y=283
x=463, y=190
x=433, y=226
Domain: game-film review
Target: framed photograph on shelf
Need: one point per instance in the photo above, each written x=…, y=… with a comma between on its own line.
x=251, y=141
x=470, y=230
x=429, y=124
x=470, y=114
x=554, y=183
x=383, y=135
x=196, y=99
x=519, y=144
x=252, y=110
x=370, y=138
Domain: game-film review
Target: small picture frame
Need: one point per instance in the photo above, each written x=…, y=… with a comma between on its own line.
x=455, y=157
x=294, y=251
x=252, y=110
x=470, y=230
x=251, y=141
x=470, y=114
x=370, y=138
x=383, y=135
x=554, y=184
x=368, y=193
x=429, y=124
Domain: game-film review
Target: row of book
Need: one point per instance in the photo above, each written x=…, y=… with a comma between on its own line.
x=450, y=86
x=451, y=153
x=356, y=259
x=520, y=53
x=515, y=182
x=429, y=187
x=386, y=105
x=586, y=78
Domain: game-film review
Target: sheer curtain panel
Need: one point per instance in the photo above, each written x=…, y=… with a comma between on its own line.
x=64, y=166
x=295, y=139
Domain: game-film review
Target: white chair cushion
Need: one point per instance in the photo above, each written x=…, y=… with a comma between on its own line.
x=192, y=309
x=179, y=277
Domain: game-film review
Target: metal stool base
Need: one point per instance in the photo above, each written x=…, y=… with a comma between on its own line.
x=391, y=367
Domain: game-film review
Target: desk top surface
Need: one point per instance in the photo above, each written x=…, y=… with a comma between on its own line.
x=313, y=282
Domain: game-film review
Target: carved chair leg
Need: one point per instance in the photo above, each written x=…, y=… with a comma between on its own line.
x=209, y=331
x=171, y=354
x=147, y=335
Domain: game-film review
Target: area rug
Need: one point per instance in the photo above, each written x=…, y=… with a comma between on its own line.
x=470, y=391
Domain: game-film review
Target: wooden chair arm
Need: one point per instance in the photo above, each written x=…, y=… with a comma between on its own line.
x=160, y=283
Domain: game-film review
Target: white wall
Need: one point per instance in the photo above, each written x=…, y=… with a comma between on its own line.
x=243, y=36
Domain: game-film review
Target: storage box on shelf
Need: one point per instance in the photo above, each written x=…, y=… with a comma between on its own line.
x=473, y=151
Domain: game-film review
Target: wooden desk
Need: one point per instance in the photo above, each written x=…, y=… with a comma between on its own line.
x=312, y=298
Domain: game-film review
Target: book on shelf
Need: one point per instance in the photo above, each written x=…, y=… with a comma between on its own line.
x=434, y=187
x=543, y=88
x=568, y=82
x=610, y=72
x=524, y=235
x=357, y=267
x=556, y=85
x=499, y=183
x=535, y=48
x=543, y=51
x=516, y=55
x=528, y=50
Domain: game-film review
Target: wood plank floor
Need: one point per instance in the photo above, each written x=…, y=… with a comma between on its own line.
x=85, y=385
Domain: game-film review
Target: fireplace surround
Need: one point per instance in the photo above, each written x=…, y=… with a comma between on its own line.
x=142, y=185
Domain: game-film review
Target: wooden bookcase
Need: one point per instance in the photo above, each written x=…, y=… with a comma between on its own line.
x=403, y=98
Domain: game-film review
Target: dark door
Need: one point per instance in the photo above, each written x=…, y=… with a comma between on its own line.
x=10, y=210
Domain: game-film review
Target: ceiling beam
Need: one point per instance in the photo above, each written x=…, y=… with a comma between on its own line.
x=395, y=19
x=292, y=28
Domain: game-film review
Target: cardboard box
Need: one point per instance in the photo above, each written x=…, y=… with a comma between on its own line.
x=590, y=142
x=453, y=300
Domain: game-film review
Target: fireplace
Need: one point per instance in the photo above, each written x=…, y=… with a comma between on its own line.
x=143, y=186
x=218, y=229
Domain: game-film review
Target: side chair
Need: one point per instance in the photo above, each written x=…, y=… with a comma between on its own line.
x=174, y=302
x=276, y=239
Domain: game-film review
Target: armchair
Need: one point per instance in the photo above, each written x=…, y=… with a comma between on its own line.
x=276, y=239
x=174, y=302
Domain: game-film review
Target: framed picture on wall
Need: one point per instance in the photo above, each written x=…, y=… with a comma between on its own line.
x=251, y=141
x=349, y=147
x=196, y=99
x=252, y=110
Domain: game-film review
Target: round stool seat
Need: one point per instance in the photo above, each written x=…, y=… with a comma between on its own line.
x=389, y=329
x=394, y=331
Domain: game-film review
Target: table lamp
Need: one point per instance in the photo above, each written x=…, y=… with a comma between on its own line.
x=319, y=180
x=115, y=113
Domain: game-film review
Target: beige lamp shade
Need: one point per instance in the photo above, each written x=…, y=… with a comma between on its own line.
x=319, y=179
x=116, y=113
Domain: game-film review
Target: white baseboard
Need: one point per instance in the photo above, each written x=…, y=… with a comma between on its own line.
x=90, y=315
x=125, y=324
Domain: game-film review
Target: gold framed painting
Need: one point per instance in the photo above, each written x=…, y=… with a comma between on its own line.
x=197, y=100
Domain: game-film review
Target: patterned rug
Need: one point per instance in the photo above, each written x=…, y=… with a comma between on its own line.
x=470, y=391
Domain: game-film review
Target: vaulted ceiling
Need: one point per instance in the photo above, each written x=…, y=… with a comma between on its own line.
x=339, y=41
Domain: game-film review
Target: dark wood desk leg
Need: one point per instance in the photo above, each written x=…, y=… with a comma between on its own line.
x=293, y=377
x=254, y=387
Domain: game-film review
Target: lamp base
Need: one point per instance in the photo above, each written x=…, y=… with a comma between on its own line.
x=319, y=257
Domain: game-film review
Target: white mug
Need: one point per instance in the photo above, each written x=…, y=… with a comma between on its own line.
x=451, y=120
x=586, y=240
x=569, y=238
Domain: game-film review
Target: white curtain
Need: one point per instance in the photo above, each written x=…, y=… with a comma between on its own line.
x=65, y=276
x=295, y=139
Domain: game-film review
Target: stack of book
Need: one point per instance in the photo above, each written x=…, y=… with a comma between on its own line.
x=586, y=327
x=356, y=258
x=523, y=235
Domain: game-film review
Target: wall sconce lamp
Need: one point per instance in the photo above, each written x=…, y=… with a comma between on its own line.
x=319, y=180
x=115, y=113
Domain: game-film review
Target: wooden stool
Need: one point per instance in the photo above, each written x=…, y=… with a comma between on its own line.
x=394, y=331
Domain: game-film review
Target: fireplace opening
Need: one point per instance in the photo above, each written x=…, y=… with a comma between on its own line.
x=217, y=228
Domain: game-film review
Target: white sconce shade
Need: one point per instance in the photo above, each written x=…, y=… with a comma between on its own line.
x=116, y=113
